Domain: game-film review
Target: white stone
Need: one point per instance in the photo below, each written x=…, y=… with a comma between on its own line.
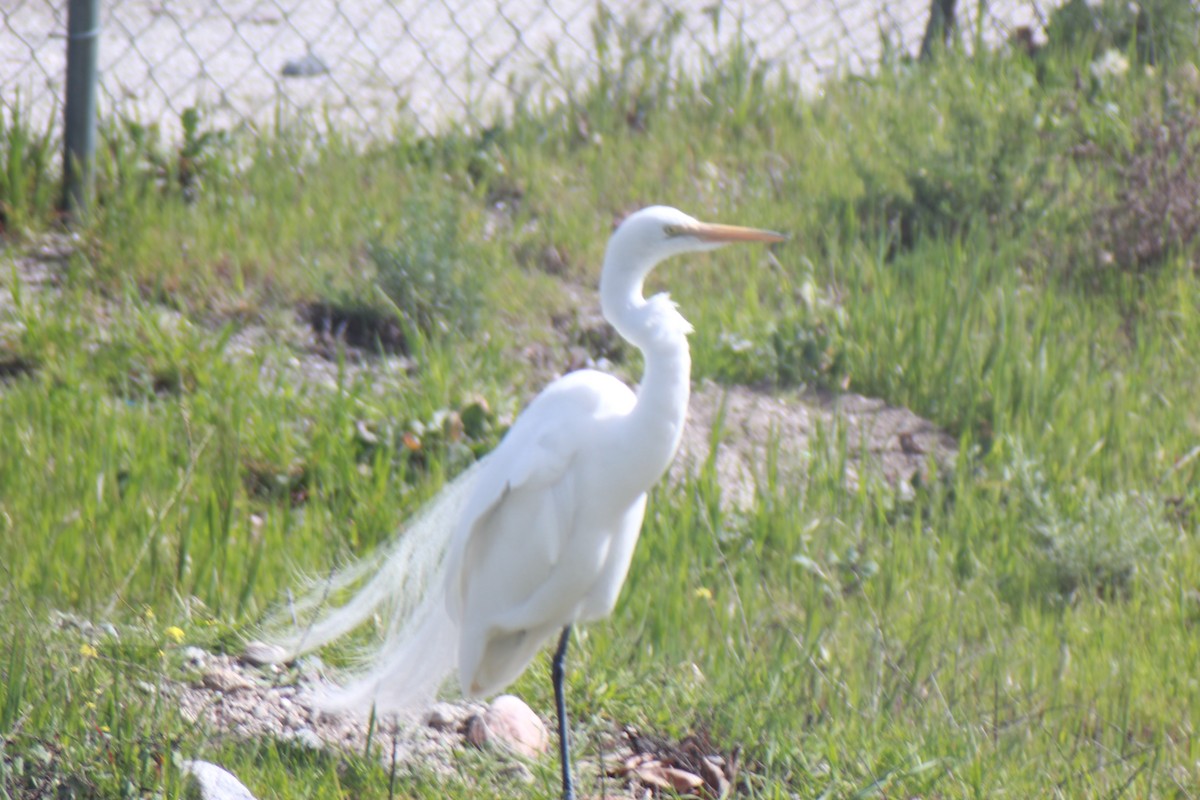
x=260, y=653
x=513, y=723
x=216, y=783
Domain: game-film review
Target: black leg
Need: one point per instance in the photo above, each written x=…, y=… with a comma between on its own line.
x=564, y=750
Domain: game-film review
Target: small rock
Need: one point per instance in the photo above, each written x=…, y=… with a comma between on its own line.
x=714, y=778
x=215, y=782
x=307, y=67
x=477, y=732
x=652, y=773
x=225, y=680
x=310, y=667
x=681, y=780
x=717, y=775
x=194, y=655
x=518, y=773
x=514, y=724
x=260, y=654
x=442, y=717
x=308, y=738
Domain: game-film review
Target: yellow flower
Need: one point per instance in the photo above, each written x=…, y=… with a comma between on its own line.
x=87, y=651
x=176, y=633
x=703, y=593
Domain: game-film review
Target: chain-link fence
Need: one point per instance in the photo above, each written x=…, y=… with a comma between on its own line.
x=361, y=63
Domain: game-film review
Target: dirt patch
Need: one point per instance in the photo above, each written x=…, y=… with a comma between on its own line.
x=362, y=327
x=37, y=266
x=230, y=696
x=233, y=697
x=882, y=441
x=13, y=365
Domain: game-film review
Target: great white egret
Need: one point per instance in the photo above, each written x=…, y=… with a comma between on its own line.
x=539, y=534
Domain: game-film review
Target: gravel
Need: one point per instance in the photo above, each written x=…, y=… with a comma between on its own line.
x=231, y=697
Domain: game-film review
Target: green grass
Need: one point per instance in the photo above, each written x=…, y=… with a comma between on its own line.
x=1022, y=626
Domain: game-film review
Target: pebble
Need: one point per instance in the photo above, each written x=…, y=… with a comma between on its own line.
x=260, y=654
x=517, y=772
x=216, y=783
x=442, y=717
x=307, y=67
x=194, y=655
x=225, y=680
x=511, y=723
x=308, y=738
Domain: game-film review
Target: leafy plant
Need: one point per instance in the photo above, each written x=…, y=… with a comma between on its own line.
x=1101, y=543
x=429, y=271
x=1156, y=30
x=198, y=157
x=947, y=150
x=1088, y=541
x=139, y=160
x=804, y=343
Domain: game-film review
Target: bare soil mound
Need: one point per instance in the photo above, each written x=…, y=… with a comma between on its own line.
x=881, y=441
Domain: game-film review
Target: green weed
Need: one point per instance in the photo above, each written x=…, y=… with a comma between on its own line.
x=27, y=175
x=430, y=274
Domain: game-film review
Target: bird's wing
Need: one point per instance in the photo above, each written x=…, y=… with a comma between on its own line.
x=516, y=525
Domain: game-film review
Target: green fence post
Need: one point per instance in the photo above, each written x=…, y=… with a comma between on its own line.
x=83, y=46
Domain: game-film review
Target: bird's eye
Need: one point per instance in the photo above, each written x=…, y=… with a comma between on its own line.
x=672, y=230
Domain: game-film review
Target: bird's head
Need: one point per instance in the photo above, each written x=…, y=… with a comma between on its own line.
x=644, y=239
x=655, y=233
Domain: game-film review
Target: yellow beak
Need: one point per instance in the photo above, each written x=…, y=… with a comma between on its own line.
x=714, y=232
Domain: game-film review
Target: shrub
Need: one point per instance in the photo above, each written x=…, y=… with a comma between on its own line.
x=1100, y=544
x=1156, y=30
x=802, y=344
x=428, y=272
x=1088, y=541
x=1157, y=205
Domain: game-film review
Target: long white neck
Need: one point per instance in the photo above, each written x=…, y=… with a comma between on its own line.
x=655, y=425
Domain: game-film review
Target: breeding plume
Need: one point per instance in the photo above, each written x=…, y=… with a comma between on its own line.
x=539, y=534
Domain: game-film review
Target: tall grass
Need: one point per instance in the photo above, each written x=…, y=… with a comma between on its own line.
x=27, y=174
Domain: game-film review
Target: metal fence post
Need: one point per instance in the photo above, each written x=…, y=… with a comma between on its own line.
x=83, y=45
x=941, y=27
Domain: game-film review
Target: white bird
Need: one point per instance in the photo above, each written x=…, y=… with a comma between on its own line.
x=539, y=534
